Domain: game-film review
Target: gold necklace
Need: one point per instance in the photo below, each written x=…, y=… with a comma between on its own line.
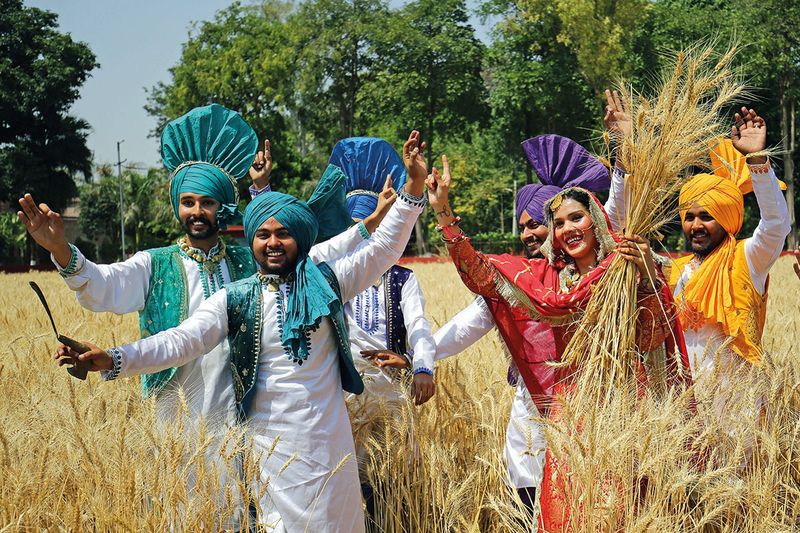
x=273, y=283
x=209, y=263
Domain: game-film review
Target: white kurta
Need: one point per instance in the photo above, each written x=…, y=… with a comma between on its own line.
x=206, y=382
x=525, y=443
x=301, y=404
x=366, y=318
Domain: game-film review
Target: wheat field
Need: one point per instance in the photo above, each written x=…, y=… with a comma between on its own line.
x=78, y=456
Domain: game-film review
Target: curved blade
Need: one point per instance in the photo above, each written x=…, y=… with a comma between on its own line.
x=79, y=368
x=42, y=299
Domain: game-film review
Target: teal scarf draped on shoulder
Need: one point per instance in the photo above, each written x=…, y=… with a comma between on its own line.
x=312, y=297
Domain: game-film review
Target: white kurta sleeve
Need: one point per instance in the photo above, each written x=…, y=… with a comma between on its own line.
x=464, y=329
x=764, y=247
x=617, y=205
x=360, y=268
x=420, y=340
x=197, y=335
x=117, y=288
x=340, y=245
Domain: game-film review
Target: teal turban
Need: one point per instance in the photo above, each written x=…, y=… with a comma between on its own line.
x=207, y=150
x=325, y=213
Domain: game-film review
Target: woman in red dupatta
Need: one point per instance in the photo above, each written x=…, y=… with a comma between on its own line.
x=557, y=289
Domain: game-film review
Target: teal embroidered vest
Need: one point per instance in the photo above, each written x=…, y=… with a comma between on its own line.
x=244, y=335
x=167, y=301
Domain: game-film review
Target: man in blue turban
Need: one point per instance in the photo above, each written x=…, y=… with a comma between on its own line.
x=558, y=162
x=289, y=348
x=387, y=323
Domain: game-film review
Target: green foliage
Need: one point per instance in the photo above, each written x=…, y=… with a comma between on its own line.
x=429, y=77
x=307, y=74
x=12, y=238
x=41, y=70
x=243, y=59
x=148, y=216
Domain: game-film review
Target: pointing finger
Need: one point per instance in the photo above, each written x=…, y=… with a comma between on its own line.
x=388, y=183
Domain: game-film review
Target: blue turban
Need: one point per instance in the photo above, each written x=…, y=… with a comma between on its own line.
x=559, y=162
x=207, y=150
x=366, y=161
x=312, y=297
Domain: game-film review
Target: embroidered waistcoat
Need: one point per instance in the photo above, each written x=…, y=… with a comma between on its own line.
x=244, y=300
x=167, y=301
x=747, y=302
x=396, y=335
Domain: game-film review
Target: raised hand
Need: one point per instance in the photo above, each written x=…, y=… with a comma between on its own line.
x=439, y=192
x=414, y=161
x=262, y=167
x=749, y=135
x=617, y=117
x=46, y=228
x=385, y=200
x=98, y=359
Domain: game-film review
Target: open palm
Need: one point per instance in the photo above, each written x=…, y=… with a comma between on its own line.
x=44, y=225
x=749, y=135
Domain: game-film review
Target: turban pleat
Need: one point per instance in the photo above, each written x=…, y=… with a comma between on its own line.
x=559, y=163
x=207, y=150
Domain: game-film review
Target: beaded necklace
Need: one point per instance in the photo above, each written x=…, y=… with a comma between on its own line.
x=208, y=263
x=210, y=267
x=273, y=284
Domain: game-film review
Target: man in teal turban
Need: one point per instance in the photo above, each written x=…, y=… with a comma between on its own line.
x=289, y=347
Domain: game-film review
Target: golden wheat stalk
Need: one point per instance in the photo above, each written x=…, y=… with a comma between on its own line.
x=671, y=134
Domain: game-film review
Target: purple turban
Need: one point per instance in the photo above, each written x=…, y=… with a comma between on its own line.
x=531, y=199
x=559, y=163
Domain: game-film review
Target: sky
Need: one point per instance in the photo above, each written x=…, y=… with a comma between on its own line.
x=135, y=43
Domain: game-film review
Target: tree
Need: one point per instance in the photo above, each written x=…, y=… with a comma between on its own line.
x=335, y=54
x=148, y=218
x=535, y=85
x=598, y=32
x=428, y=77
x=42, y=147
x=242, y=60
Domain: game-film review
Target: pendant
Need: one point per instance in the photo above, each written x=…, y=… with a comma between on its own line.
x=272, y=285
x=209, y=267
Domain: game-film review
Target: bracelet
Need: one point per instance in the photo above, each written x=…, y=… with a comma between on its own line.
x=362, y=229
x=116, y=368
x=423, y=370
x=455, y=222
x=449, y=234
x=72, y=267
x=416, y=201
x=759, y=169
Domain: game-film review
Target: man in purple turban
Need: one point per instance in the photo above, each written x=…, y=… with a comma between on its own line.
x=559, y=163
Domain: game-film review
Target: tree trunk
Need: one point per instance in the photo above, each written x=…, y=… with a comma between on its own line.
x=788, y=132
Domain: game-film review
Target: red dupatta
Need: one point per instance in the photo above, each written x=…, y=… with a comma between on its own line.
x=529, y=290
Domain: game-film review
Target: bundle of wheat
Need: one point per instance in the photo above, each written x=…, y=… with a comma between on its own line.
x=670, y=135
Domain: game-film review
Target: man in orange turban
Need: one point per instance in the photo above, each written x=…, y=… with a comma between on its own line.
x=721, y=287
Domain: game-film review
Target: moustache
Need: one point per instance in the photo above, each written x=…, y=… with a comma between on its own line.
x=202, y=219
